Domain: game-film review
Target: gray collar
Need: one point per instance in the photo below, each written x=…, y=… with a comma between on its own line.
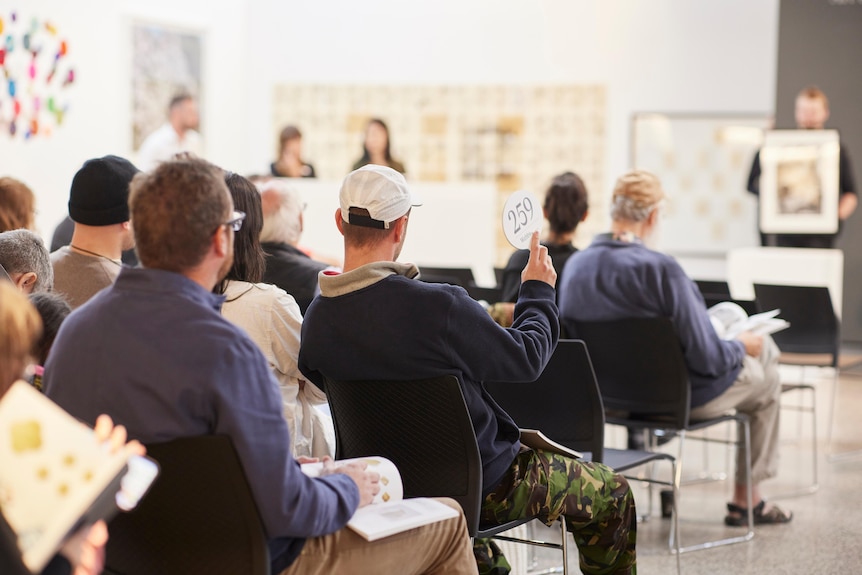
x=362, y=277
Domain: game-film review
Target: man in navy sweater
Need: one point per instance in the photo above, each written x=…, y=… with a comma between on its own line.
x=376, y=321
x=619, y=277
x=154, y=352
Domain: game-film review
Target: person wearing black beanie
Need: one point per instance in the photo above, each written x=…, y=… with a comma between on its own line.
x=99, y=207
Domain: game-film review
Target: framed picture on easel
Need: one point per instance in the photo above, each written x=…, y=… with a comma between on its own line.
x=799, y=182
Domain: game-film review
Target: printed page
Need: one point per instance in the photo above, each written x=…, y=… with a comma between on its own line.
x=52, y=470
x=391, y=486
x=377, y=521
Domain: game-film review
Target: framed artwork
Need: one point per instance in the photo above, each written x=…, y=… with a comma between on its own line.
x=165, y=62
x=702, y=161
x=799, y=182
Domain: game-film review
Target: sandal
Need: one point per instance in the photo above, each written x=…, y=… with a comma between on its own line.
x=738, y=516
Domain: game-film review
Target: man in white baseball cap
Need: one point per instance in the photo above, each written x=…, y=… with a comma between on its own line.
x=375, y=196
x=376, y=321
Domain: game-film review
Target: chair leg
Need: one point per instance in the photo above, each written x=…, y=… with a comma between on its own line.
x=815, y=485
x=564, y=542
x=743, y=440
x=833, y=456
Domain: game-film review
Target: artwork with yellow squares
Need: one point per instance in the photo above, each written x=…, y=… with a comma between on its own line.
x=518, y=137
x=703, y=163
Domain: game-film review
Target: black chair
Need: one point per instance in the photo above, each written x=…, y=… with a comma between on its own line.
x=565, y=404
x=812, y=340
x=715, y=292
x=199, y=516
x=644, y=382
x=456, y=276
x=424, y=427
x=488, y=294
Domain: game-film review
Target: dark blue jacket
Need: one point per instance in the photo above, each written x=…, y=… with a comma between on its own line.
x=615, y=280
x=401, y=329
x=154, y=353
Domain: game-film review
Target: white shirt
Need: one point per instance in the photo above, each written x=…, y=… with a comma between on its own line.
x=272, y=319
x=162, y=144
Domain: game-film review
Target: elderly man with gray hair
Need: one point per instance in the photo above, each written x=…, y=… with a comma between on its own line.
x=619, y=276
x=25, y=258
x=286, y=265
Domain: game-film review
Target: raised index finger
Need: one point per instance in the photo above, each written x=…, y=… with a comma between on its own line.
x=534, y=245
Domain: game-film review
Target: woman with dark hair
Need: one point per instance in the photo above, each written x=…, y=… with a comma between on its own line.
x=290, y=163
x=272, y=319
x=375, y=148
x=565, y=207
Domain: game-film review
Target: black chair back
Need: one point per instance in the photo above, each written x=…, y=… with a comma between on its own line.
x=640, y=369
x=199, y=516
x=423, y=426
x=814, y=327
x=456, y=276
x=563, y=403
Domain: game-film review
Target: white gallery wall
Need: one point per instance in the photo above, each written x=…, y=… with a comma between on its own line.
x=658, y=55
x=99, y=120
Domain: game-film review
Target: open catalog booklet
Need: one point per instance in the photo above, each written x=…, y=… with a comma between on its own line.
x=535, y=439
x=55, y=476
x=730, y=320
x=389, y=513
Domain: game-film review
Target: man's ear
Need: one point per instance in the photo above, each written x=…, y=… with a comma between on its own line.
x=26, y=282
x=400, y=228
x=586, y=213
x=338, y=221
x=221, y=244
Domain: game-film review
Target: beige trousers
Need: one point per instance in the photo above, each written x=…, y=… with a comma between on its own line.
x=756, y=393
x=440, y=548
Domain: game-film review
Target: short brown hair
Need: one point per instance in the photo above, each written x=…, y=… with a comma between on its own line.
x=175, y=211
x=20, y=326
x=17, y=205
x=362, y=236
x=812, y=92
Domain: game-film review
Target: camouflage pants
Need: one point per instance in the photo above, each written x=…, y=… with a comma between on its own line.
x=597, y=504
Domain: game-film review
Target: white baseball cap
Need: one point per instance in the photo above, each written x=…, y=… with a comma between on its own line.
x=380, y=190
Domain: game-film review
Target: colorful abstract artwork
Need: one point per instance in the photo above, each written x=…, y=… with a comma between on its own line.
x=37, y=76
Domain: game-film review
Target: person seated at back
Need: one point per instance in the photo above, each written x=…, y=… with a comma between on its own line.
x=619, y=276
x=17, y=205
x=153, y=351
x=376, y=147
x=565, y=207
x=26, y=261
x=98, y=204
x=290, y=163
x=377, y=321
x=287, y=266
x=272, y=319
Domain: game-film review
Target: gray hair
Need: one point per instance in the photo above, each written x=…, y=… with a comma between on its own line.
x=282, y=208
x=21, y=252
x=629, y=209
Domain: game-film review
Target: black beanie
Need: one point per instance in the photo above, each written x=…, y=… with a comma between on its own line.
x=100, y=191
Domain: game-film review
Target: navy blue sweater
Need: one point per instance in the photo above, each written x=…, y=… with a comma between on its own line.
x=615, y=280
x=402, y=329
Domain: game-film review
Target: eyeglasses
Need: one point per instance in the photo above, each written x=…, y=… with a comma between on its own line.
x=236, y=222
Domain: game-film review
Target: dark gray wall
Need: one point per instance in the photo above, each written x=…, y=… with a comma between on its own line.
x=820, y=42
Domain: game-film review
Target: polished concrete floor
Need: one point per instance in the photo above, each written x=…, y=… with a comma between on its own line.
x=825, y=536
